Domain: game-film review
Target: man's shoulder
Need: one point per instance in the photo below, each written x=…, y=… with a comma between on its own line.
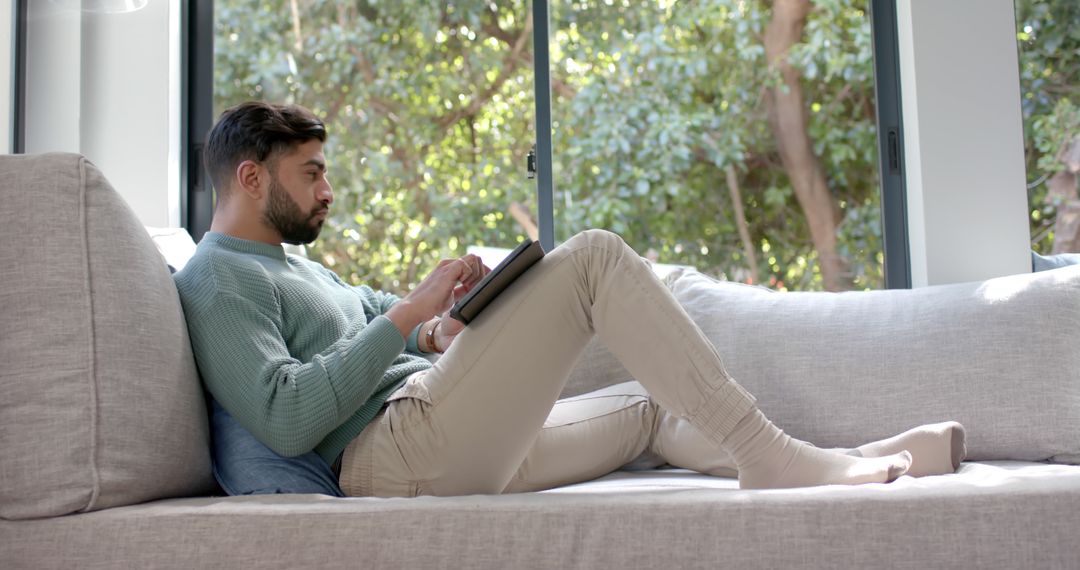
x=312, y=267
x=302, y=261
x=216, y=271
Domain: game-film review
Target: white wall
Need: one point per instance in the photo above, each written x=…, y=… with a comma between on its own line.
x=107, y=85
x=7, y=68
x=53, y=78
x=964, y=147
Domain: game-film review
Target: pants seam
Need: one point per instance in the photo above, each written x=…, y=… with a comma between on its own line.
x=643, y=400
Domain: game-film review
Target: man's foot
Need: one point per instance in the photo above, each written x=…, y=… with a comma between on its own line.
x=936, y=449
x=767, y=458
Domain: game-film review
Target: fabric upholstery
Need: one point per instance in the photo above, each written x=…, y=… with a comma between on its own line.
x=597, y=368
x=174, y=244
x=92, y=325
x=102, y=404
x=839, y=369
x=1002, y=515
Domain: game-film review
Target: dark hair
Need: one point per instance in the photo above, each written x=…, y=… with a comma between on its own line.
x=255, y=131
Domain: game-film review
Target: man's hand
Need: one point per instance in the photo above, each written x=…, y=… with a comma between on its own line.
x=445, y=331
x=449, y=327
x=450, y=281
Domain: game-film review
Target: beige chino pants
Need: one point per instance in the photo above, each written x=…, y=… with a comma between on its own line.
x=485, y=418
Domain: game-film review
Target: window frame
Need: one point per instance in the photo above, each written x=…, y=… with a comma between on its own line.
x=197, y=196
x=890, y=133
x=545, y=183
x=197, y=116
x=18, y=123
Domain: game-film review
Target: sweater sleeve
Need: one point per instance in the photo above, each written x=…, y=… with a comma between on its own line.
x=379, y=302
x=382, y=301
x=412, y=344
x=288, y=405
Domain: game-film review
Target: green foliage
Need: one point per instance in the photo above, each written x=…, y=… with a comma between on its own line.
x=418, y=174
x=1049, y=39
x=430, y=109
x=671, y=94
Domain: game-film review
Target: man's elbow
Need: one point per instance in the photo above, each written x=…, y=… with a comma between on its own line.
x=287, y=449
x=286, y=444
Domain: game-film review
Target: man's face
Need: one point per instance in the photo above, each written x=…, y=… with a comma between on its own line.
x=299, y=197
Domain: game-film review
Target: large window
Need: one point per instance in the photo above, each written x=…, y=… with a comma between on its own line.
x=430, y=112
x=671, y=127
x=1049, y=37
x=731, y=136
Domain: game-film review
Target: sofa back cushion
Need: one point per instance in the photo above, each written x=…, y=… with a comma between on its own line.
x=102, y=404
x=841, y=369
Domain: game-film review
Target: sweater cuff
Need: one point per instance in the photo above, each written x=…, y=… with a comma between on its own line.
x=386, y=331
x=412, y=344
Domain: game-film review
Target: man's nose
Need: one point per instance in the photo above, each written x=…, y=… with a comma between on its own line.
x=326, y=194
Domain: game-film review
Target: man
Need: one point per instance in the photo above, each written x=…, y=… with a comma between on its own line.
x=319, y=386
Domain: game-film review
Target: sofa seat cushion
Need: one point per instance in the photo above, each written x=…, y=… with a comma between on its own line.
x=989, y=515
x=102, y=404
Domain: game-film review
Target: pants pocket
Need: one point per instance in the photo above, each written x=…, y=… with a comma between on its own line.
x=413, y=387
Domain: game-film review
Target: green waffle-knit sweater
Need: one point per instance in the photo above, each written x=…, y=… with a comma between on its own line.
x=302, y=360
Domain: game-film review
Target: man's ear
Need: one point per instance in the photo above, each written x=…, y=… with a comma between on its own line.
x=249, y=175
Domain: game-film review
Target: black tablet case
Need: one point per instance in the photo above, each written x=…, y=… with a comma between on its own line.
x=522, y=258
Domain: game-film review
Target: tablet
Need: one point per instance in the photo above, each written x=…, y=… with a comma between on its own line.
x=522, y=258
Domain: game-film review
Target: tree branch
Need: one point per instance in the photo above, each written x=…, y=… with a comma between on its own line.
x=740, y=212
x=740, y=221
x=363, y=66
x=521, y=214
x=299, y=43
x=510, y=64
x=491, y=27
x=788, y=119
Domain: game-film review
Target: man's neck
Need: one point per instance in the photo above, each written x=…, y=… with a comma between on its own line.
x=245, y=226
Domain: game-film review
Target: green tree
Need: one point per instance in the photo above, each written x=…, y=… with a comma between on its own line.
x=660, y=113
x=1049, y=38
x=429, y=118
x=676, y=126
x=732, y=135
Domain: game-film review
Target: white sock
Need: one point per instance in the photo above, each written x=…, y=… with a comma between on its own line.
x=767, y=458
x=936, y=449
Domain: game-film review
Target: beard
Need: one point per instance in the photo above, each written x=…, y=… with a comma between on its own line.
x=284, y=215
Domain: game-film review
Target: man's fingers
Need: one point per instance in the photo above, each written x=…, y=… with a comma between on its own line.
x=457, y=267
x=468, y=270
x=472, y=270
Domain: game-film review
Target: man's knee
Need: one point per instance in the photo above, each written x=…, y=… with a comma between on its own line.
x=600, y=237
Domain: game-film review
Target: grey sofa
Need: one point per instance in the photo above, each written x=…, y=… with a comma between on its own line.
x=104, y=459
